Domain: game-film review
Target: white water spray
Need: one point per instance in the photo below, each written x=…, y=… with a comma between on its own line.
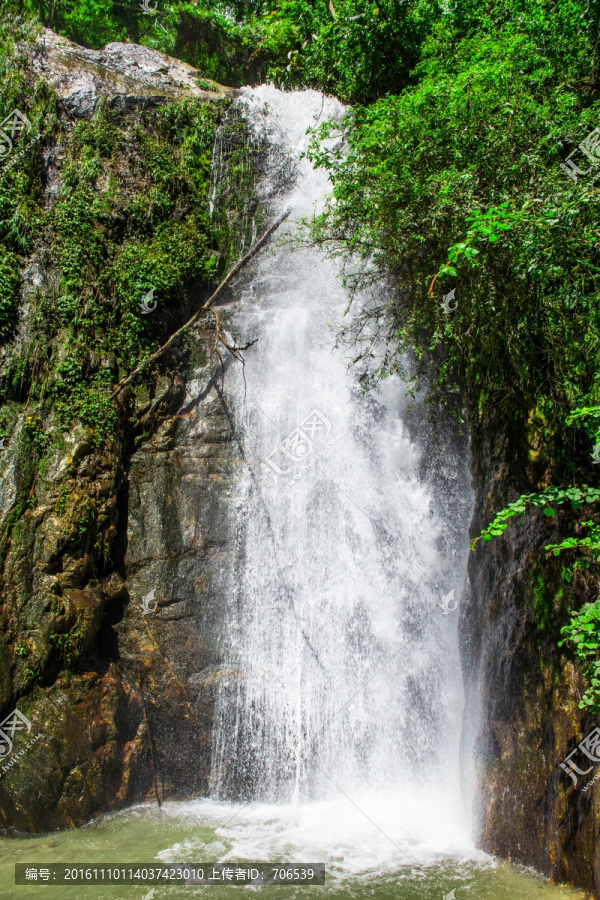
x=343, y=682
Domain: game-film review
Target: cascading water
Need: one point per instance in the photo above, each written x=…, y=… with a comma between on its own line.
x=342, y=672
x=337, y=726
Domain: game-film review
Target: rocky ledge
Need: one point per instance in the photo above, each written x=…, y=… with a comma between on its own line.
x=126, y=74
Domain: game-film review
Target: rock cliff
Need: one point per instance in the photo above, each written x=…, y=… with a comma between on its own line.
x=522, y=691
x=97, y=509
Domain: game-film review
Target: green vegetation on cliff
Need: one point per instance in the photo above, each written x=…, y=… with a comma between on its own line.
x=448, y=178
x=115, y=248
x=582, y=552
x=114, y=236
x=94, y=215
x=456, y=184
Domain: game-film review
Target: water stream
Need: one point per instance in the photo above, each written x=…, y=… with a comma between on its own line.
x=338, y=720
x=344, y=667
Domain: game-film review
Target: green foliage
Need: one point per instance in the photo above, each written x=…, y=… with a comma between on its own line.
x=460, y=176
x=62, y=499
x=83, y=397
x=29, y=675
x=591, y=415
x=69, y=646
x=357, y=49
x=545, y=602
x=113, y=248
x=86, y=516
x=547, y=500
x=9, y=291
x=486, y=225
x=78, y=512
x=34, y=430
x=207, y=36
x=590, y=543
x=21, y=650
x=583, y=632
x=92, y=23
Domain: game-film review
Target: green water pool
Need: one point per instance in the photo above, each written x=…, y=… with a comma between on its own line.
x=361, y=860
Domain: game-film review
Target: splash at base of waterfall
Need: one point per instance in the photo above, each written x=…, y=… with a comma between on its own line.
x=361, y=863
x=372, y=833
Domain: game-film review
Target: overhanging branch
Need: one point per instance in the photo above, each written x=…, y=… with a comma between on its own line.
x=207, y=306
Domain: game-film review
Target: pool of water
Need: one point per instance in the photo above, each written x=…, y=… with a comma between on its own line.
x=367, y=848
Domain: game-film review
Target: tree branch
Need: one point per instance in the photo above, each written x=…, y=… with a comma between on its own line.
x=207, y=306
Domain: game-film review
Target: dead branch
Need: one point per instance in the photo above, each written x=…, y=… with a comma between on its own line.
x=432, y=285
x=235, y=351
x=207, y=306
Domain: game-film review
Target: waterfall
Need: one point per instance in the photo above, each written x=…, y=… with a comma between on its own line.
x=341, y=669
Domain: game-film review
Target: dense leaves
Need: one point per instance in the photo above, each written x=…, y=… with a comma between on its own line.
x=456, y=184
x=357, y=49
x=583, y=632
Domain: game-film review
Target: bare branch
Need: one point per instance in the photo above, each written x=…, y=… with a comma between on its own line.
x=207, y=306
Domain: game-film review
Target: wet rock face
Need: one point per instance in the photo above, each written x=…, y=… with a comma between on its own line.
x=522, y=716
x=144, y=634
x=113, y=691
x=127, y=74
x=176, y=563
